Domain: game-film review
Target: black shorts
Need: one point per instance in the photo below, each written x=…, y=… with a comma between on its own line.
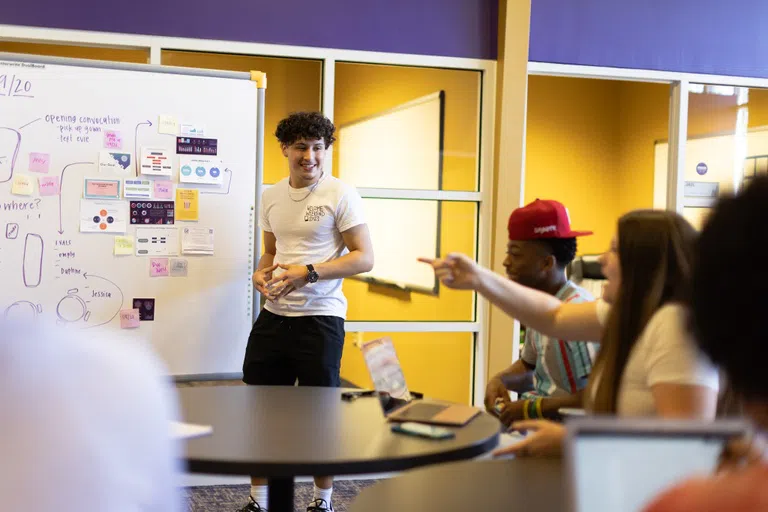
x=283, y=349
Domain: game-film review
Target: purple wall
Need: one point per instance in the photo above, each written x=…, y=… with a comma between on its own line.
x=697, y=36
x=455, y=28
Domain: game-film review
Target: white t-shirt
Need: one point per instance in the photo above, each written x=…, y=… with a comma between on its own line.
x=86, y=424
x=307, y=225
x=664, y=353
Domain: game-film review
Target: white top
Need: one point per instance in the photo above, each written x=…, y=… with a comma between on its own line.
x=665, y=352
x=307, y=224
x=85, y=425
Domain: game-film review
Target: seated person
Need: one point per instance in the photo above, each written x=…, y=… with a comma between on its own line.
x=550, y=373
x=648, y=364
x=86, y=424
x=727, y=311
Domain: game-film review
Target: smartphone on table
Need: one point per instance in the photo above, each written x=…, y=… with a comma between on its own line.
x=422, y=430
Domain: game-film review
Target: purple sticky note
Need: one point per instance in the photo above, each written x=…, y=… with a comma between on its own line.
x=39, y=162
x=163, y=189
x=113, y=140
x=49, y=185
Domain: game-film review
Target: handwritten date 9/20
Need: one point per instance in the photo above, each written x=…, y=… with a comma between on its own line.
x=15, y=86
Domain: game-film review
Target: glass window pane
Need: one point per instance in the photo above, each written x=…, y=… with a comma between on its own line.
x=444, y=377
x=138, y=56
x=292, y=85
x=727, y=144
x=390, y=117
x=384, y=302
x=591, y=144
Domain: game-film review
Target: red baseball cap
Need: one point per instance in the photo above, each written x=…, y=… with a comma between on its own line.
x=542, y=218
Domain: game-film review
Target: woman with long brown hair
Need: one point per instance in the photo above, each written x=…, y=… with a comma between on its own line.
x=648, y=364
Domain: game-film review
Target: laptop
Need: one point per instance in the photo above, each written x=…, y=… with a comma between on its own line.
x=622, y=464
x=395, y=399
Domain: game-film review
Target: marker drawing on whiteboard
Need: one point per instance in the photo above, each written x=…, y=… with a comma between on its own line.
x=72, y=308
x=61, y=189
x=14, y=143
x=29, y=123
x=136, y=145
x=122, y=298
x=32, y=264
x=23, y=310
x=229, y=185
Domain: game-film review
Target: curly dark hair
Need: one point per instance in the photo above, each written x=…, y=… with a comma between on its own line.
x=729, y=284
x=305, y=125
x=563, y=249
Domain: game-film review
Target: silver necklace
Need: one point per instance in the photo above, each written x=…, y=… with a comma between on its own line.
x=311, y=188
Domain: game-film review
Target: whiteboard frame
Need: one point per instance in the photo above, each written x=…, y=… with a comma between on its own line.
x=150, y=68
x=440, y=95
x=482, y=196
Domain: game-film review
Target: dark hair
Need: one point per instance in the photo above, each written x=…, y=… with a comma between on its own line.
x=729, y=287
x=656, y=251
x=305, y=125
x=563, y=249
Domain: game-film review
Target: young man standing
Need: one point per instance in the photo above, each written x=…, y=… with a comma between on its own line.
x=550, y=373
x=314, y=236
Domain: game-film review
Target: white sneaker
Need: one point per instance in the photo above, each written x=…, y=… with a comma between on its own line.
x=320, y=505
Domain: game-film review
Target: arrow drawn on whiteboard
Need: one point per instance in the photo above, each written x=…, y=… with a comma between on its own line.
x=15, y=153
x=136, y=144
x=61, y=189
x=122, y=298
x=229, y=185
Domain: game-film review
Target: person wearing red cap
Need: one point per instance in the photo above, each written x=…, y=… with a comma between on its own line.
x=648, y=364
x=550, y=373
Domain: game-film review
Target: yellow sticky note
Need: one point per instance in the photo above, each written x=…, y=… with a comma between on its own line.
x=186, y=203
x=22, y=185
x=123, y=245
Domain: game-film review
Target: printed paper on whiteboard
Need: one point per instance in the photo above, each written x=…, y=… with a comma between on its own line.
x=103, y=216
x=110, y=161
x=157, y=242
x=200, y=169
x=156, y=162
x=137, y=188
x=197, y=240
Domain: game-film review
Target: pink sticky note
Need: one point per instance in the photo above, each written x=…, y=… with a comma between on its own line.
x=158, y=267
x=39, y=162
x=163, y=189
x=113, y=140
x=129, y=318
x=49, y=185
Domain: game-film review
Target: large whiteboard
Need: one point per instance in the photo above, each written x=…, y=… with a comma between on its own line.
x=55, y=273
x=400, y=148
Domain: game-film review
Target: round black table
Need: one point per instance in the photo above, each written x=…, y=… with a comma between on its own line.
x=282, y=432
x=509, y=485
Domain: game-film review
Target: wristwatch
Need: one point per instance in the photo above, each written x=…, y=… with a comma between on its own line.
x=312, y=276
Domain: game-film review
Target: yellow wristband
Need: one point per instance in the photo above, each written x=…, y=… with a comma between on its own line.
x=539, y=414
x=525, y=409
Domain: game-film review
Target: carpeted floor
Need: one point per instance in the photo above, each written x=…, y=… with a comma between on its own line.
x=230, y=498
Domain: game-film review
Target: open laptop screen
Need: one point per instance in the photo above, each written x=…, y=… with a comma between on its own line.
x=612, y=471
x=386, y=374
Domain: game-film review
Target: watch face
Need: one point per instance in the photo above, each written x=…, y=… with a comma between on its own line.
x=313, y=277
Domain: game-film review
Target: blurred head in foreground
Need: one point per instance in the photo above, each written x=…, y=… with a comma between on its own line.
x=85, y=423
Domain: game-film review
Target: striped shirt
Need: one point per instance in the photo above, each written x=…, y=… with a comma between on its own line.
x=560, y=368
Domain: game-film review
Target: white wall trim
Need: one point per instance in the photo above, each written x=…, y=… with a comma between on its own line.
x=641, y=75
x=678, y=136
x=413, y=326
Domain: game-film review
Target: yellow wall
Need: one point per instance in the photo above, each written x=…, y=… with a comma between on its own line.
x=572, y=148
x=292, y=85
x=77, y=52
x=438, y=364
x=590, y=145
